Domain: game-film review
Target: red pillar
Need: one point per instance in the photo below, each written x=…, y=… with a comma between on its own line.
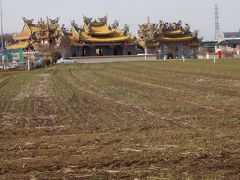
x=219, y=54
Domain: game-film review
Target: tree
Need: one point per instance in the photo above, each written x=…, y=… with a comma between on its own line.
x=7, y=38
x=64, y=47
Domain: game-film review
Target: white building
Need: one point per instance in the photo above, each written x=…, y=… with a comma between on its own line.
x=229, y=44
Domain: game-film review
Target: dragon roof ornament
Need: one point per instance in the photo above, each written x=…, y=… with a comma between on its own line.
x=95, y=22
x=28, y=21
x=115, y=24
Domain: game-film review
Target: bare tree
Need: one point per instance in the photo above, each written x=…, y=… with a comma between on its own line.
x=8, y=39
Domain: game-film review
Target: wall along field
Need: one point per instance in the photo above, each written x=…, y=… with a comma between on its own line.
x=121, y=120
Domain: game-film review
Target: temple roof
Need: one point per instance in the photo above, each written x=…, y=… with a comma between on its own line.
x=36, y=28
x=42, y=29
x=20, y=45
x=98, y=31
x=177, y=32
x=164, y=33
x=116, y=37
x=186, y=38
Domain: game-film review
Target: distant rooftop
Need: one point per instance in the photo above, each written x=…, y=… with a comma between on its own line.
x=231, y=34
x=229, y=38
x=208, y=43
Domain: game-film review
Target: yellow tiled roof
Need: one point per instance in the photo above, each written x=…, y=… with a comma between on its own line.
x=101, y=30
x=19, y=38
x=186, y=38
x=73, y=41
x=114, y=38
x=21, y=45
x=176, y=32
x=36, y=28
x=117, y=30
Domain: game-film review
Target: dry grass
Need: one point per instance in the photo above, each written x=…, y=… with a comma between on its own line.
x=124, y=120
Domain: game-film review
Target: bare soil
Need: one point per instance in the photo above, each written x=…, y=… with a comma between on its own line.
x=128, y=120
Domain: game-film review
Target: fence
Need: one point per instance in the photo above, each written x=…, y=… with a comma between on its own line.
x=223, y=55
x=17, y=59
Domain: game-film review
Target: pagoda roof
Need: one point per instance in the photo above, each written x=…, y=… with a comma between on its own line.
x=20, y=45
x=115, y=38
x=177, y=32
x=169, y=39
x=165, y=33
x=98, y=31
x=19, y=38
x=41, y=29
x=73, y=41
x=36, y=28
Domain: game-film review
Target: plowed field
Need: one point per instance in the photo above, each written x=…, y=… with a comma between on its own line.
x=123, y=120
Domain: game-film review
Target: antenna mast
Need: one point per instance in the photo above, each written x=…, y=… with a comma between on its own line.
x=217, y=26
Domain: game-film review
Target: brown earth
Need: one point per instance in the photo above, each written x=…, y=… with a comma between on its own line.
x=132, y=120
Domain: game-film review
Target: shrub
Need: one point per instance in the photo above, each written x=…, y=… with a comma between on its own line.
x=48, y=62
x=55, y=56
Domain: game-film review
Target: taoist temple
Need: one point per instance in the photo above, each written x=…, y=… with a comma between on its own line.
x=95, y=37
x=171, y=40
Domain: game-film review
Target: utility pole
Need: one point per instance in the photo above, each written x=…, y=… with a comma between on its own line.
x=217, y=26
x=1, y=14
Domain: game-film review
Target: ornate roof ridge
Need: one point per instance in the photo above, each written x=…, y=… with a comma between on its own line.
x=95, y=22
x=41, y=22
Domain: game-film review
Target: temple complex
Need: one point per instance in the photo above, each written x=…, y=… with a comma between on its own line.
x=42, y=36
x=97, y=38
x=169, y=40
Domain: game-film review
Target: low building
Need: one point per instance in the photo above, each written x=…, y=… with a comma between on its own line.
x=207, y=49
x=229, y=44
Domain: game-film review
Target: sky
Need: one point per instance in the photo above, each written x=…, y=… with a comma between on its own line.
x=199, y=14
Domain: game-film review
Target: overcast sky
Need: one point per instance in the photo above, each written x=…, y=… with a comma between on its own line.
x=198, y=13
